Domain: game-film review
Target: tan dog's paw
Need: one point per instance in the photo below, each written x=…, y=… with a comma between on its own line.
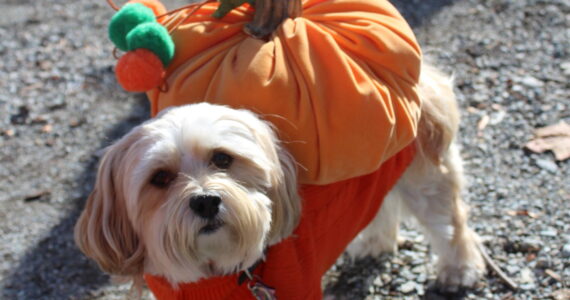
x=452, y=278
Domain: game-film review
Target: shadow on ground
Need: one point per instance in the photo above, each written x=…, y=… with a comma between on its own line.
x=417, y=12
x=55, y=268
x=66, y=274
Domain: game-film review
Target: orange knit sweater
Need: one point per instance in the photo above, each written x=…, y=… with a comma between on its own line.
x=332, y=216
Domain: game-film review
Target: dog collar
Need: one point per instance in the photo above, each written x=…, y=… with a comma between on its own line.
x=258, y=289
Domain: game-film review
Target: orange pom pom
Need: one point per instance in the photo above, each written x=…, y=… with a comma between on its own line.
x=139, y=71
x=156, y=6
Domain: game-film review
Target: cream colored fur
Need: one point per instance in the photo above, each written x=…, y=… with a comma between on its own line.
x=129, y=226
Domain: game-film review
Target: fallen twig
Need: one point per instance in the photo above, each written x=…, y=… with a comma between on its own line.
x=493, y=266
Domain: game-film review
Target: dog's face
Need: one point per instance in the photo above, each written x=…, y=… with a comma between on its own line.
x=199, y=191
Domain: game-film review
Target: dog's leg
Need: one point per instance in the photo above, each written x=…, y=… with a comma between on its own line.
x=432, y=193
x=381, y=235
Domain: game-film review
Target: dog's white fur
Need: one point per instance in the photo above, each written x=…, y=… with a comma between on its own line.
x=131, y=226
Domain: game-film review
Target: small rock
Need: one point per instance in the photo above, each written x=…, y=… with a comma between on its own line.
x=566, y=68
x=497, y=117
x=420, y=269
x=386, y=278
x=512, y=269
x=479, y=98
x=397, y=282
x=543, y=263
x=408, y=287
x=547, y=165
x=49, y=142
x=526, y=276
x=517, y=88
x=420, y=290
x=75, y=122
x=422, y=278
x=565, y=252
x=476, y=50
x=530, y=245
x=378, y=281
x=549, y=232
x=532, y=82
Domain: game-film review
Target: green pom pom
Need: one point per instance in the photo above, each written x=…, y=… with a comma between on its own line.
x=127, y=18
x=154, y=37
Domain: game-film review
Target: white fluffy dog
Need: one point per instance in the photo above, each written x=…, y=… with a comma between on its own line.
x=201, y=190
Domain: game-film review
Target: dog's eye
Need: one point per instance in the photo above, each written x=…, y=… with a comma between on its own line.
x=222, y=160
x=162, y=178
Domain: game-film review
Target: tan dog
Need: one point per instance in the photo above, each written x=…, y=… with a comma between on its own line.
x=201, y=190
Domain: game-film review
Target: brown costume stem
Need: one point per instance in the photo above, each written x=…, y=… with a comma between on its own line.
x=269, y=14
x=113, y=5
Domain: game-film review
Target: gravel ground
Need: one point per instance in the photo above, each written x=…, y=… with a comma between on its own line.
x=59, y=105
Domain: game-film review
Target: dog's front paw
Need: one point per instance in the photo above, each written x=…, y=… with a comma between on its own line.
x=452, y=278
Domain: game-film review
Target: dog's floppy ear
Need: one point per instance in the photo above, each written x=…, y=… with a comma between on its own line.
x=103, y=231
x=286, y=209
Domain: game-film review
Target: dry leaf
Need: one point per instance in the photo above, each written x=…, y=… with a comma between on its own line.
x=47, y=128
x=9, y=132
x=523, y=212
x=472, y=110
x=557, y=129
x=483, y=122
x=555, y=138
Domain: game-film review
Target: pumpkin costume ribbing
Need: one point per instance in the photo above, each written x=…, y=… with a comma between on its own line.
x=339, y=82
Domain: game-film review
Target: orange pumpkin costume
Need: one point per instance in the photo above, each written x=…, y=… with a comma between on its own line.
x=339, y=82
x=340, y=85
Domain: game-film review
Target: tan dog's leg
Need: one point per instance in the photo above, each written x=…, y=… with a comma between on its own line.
x=430, y=190
x=432, y=195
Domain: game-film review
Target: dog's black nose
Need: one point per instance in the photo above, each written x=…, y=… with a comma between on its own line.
x=206, y=206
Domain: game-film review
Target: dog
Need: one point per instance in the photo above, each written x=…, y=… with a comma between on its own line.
x=205, y=190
